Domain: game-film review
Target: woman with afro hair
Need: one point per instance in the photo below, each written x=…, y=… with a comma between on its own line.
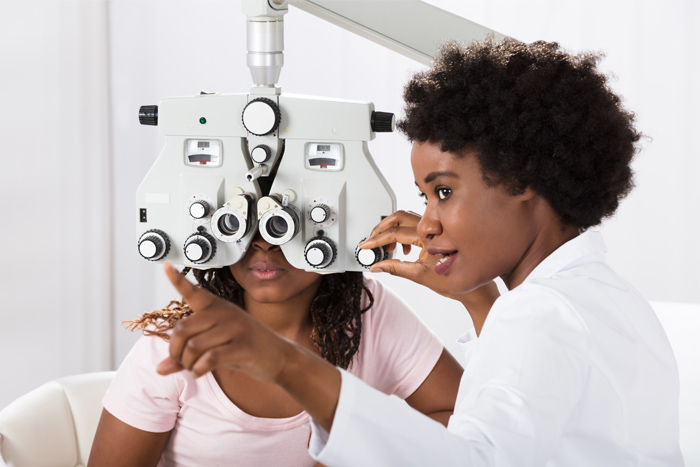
x=227, y=418
x=519, y=150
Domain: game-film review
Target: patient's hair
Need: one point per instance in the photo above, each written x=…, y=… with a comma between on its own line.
x=536, y=116
x=336, y=311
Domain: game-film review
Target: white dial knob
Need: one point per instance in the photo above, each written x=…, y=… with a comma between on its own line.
x=199, y=248
x=199, y=209
x=261, y=116
x=320, y=252
x=320, y=213
x=153, y=245
x=368, y=257
x=260, y=154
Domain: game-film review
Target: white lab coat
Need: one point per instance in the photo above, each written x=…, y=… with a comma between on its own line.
x=572, y=368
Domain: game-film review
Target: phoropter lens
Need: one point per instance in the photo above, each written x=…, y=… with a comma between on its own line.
x=228, y=224
x=277, y=227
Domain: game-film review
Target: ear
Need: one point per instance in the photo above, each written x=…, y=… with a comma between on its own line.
x=527, y=194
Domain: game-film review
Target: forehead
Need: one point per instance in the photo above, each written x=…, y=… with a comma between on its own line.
x=430, y=163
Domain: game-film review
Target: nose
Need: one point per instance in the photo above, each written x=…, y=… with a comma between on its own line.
x=429, y=226
x=261, y=244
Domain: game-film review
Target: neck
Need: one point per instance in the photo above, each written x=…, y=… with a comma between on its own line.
x=547, y=236
x=290, y=319
x=478, y=303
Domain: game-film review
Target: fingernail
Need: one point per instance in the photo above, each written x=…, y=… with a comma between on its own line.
x=376, y=270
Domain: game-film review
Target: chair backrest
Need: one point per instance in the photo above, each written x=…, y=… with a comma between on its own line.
x=681, y=321
x=53, y=425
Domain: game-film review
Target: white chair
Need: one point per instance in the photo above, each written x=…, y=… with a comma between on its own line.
x=53, y=425
x=681, y=321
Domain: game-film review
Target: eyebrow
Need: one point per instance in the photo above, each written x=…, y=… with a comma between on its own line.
x=433, y=175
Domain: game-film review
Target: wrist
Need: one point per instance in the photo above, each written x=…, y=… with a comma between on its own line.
x=292, y=364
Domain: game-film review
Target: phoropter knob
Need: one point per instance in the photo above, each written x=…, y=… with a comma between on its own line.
x=320, y=252
x=261, y=116
x=154, y=245
x=200, y=248
x=367, y=258
x=320, y=213
x=148, y=115
x=382, y=122
x=199, y=209
x=260, y=154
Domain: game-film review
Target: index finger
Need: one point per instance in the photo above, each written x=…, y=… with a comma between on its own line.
x=396, y=234
x=396, y=219
x=196, y=297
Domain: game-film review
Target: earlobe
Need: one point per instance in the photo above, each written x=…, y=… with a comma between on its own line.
x=527, y=194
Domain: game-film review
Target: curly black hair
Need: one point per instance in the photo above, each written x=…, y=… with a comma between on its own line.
x=536, y=116
x=336, y=311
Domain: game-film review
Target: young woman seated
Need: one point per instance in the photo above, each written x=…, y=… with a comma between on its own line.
x=227, y=418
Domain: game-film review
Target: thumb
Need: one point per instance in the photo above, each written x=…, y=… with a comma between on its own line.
x=169, y=365
x=407, y=269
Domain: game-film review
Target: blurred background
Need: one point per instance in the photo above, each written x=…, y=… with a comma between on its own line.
x=74, y=73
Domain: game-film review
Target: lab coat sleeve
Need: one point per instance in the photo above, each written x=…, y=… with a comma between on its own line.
x=521, y=383
x=371, y=428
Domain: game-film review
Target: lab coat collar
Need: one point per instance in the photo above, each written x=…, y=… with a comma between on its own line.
x=466, y=342
x=589, y=246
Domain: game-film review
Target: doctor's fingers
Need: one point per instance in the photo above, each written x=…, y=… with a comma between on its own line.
x=196, y=297
x=220, y=314
x=406, y=235
x=413, y=271
x=201, y=345
x=396, y=219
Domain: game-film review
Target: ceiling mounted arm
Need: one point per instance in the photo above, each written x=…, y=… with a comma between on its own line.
x=412, y=28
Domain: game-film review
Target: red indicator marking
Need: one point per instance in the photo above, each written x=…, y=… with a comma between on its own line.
x=323, y=166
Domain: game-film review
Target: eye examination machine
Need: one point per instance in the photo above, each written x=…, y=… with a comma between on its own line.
x=296, y=168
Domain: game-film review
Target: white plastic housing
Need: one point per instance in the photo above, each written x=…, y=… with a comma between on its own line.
x=357, y=196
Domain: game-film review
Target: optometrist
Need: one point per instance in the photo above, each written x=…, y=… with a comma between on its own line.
x=519, y=149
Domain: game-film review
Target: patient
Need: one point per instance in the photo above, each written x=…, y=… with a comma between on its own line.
x=228, y=418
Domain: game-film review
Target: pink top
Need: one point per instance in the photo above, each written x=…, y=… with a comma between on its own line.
x=396, y=354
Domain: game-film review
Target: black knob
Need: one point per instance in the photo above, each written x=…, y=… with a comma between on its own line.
x=320, y=252
x=154, y=245
x=319, y=213
x=261, y=116
x=367, y=258
x=200, y=248
x=260, y=154
x=199, y=209
x=382, y=122
x=148, y=115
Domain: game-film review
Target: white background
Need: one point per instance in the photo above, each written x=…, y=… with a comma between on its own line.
x=74, y=73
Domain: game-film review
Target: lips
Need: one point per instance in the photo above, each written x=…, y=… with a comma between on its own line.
x=446, y=258
x=265, y=271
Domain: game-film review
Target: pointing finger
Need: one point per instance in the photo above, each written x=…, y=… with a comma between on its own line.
x=196, y=297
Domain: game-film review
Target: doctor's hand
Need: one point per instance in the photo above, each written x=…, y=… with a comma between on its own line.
x=220, y=333
x=401, y=228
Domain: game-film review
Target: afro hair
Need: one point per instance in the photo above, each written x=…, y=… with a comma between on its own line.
x=536, y=116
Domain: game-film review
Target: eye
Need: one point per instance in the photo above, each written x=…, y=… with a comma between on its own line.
x=443, y=193
x=424, y=196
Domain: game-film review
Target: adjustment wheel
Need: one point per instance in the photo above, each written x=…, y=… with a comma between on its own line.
x=260, y=154
x=199, y=209
x=320, y=213
x=320, y=252
x=367, y=258
x=261, y=116
x=200, y=248
x=154, y=245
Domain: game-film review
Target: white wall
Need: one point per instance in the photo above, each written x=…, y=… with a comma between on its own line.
x=74, y=74
x=55, y=185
